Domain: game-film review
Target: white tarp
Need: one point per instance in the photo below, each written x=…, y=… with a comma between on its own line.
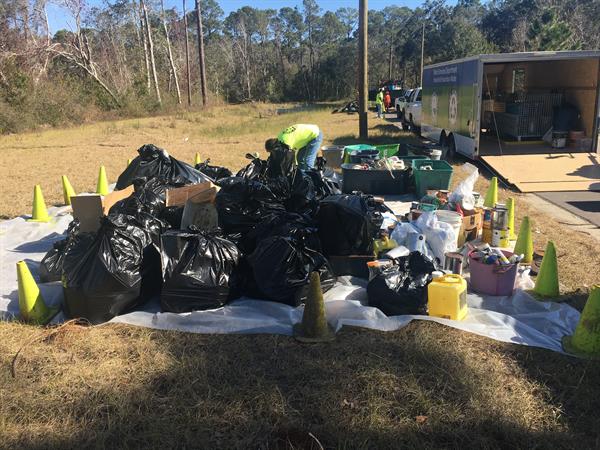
x=519, y=319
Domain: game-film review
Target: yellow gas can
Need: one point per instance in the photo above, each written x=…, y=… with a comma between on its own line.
x=447, y=297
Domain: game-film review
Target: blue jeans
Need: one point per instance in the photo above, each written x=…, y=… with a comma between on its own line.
x=378, y=110
x=307, y=156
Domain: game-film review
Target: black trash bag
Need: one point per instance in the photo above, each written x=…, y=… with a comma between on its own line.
x=155, y=162
x=302, y=194
x=51, y=265
x=198, y=270
x=281, y=161
x=256, y=170
x=172, y=215
x=213, y=172
x=149, y=197
x=348, y=223
x=281, y=268
x=104, y=278
x=324, y=186
x=242, y=203
x=402, y=288
x=287, y=224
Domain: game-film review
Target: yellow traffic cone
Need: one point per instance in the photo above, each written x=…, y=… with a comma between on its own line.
x=128, y=162
x=31, y=303
x=491, y=196
x=40, y=212
x=102, y=186
x=524, y=243
x=510, y=204
x=585, y=342
x=546, y=283
x=68, y=190
x=314, y=326
x=197, y=159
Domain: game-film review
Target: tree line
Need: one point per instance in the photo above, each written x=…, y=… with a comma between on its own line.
x=134, y=57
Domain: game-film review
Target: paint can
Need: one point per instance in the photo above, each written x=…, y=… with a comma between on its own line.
x=486, y=234
x=500, y=231
x=500, y=238
x=453, y=262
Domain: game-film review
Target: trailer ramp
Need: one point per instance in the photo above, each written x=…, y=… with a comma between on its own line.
x=550, y=172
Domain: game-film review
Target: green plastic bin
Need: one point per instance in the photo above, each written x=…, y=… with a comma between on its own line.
x=438, y=178
x=350, y=148
x=387, y=150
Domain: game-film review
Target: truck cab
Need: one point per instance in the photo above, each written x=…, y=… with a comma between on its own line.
x=412, y=114
x=401, y=102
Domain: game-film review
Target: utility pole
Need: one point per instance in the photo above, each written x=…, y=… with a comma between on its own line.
x=422, y=52
x=363, y=65
x=187, y=57
x=201, y=54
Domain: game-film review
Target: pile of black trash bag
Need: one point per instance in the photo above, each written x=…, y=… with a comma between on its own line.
x=402, y=288
x=277, y=225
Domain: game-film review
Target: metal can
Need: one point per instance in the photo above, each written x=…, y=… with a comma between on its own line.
x=500, y=238
x=500, y=218
x=453, y=262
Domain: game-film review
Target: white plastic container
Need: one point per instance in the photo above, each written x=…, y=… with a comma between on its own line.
x=436, y=155
x=452, y=218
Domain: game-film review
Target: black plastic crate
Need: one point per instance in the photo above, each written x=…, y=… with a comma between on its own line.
x=377, y=181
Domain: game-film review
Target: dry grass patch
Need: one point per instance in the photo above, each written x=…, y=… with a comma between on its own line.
x=423, y=386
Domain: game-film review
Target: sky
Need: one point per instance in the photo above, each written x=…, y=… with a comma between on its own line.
x=59, y=18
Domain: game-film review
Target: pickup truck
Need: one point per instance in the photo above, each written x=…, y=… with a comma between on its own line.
x=412, y=112
x=401, y=102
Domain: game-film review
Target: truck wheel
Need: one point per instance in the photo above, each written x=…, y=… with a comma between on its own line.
x=398, y=113
x=449, y=147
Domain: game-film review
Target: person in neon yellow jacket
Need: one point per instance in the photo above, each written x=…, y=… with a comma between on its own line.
x=379, y=103
x=303, y=139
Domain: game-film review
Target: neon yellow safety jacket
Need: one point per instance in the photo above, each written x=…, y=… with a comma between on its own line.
x=298, y=136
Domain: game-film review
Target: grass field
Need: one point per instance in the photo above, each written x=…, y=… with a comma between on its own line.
x=425, y=386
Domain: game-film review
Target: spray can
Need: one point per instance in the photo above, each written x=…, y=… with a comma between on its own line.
x=486, y=234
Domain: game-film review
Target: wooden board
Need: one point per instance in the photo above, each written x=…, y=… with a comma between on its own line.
x=549, y=172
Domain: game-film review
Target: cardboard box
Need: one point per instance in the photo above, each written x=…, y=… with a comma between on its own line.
x=202, y=192
x=89, y=208
x=472, y=219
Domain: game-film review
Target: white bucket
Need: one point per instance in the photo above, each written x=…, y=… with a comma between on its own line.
x=452, y=218
x=436, y=155
x=334, y=155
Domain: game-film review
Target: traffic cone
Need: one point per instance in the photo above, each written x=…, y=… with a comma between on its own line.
x=314, y=326
x=197, y=159
x=102, y=186
x=524, y=243
x=546, y=283
x=68, y=190
x=31, y=303
x=585, y=342
x=40, y=212
x=491, y=196
x=510, y=204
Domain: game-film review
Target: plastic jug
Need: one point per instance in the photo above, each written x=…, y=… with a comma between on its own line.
x=382, y=245
x=447, y=297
